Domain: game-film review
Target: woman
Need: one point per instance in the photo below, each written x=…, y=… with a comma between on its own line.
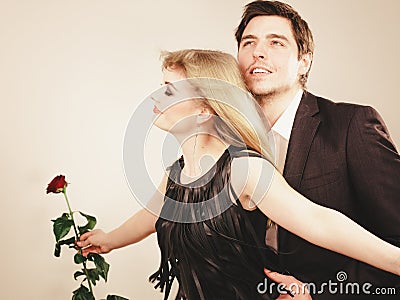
x=212, y=214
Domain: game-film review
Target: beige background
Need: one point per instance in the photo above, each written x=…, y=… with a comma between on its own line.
x=72, y=73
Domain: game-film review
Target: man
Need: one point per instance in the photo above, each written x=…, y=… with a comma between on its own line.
x=339, y=155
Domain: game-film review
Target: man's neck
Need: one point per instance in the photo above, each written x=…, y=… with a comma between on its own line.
x=273, y=107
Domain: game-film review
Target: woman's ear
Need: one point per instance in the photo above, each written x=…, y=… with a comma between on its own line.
x=203, y=116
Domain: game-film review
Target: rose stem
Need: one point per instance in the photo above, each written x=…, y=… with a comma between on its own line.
x=77, y=238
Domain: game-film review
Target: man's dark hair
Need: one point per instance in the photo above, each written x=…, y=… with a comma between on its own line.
x=301, y=32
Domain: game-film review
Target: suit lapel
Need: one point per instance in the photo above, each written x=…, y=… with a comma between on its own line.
x=304, y=128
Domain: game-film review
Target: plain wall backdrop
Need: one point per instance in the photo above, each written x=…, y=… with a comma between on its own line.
x=72, y=74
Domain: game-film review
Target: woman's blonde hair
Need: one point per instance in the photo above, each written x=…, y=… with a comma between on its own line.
x=218, y=78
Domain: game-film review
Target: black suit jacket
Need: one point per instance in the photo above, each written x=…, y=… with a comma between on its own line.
x=341, y=156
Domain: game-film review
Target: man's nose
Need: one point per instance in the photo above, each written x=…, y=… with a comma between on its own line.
x=260, y=52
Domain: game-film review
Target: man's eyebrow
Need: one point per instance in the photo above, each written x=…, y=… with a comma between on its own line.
x=248, y=37
x=277, y=36
x=268, y=36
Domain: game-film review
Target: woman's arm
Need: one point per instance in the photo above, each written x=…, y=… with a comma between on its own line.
x=133, y=230
x=136, y=228
x=265, y=187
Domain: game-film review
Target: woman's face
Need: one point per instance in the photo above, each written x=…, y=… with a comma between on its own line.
x=175, y=109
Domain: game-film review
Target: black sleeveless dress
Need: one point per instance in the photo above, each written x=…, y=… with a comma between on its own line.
x=214, y=248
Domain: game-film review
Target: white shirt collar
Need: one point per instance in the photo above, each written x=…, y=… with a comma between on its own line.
x=284, y=124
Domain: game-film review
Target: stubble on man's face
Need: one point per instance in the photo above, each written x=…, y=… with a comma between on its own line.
x=267, y=97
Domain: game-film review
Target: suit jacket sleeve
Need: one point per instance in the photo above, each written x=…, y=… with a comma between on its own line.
x=374, y=170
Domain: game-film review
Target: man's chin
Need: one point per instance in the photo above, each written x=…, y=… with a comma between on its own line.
x=258, y=88
x=264, y=95
x=262, y=92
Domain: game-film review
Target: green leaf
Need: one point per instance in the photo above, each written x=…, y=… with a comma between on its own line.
x=101, y=265
x=62, y=226
x=114, y=297
x=70, y=242
x=91, y=223
x=57, y=250
x=79, y=258
x=93, y=275
x=82, y=293
x=78, y=273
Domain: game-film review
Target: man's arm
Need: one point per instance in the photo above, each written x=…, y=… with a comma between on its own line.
x=374, y=170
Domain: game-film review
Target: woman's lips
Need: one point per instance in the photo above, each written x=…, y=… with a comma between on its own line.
x=156, y=110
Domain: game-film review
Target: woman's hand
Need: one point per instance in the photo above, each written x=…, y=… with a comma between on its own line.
x=298, y=289
x=96, y=241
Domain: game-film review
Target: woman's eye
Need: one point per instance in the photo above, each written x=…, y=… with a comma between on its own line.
x=168, y=92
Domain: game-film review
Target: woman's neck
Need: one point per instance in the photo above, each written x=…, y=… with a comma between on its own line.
x=200, y=152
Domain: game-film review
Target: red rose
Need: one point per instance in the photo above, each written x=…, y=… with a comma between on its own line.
x=57, y=185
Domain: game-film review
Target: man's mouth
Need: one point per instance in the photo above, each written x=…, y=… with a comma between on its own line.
x=259, y=70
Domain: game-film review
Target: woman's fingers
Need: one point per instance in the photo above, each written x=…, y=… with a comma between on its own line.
x=296, y=288
x=92, y=249
x=85, y=239
x=93, y=242
x=86, y=235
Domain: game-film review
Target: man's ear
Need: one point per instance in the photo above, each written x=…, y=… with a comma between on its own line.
x=305, y=63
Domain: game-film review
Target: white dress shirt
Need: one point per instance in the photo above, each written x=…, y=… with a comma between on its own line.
x=281, y=131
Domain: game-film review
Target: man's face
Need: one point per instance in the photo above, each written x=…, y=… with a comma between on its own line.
x=268, y=56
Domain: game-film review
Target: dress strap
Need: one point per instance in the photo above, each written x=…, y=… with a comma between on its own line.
x=244, y=152
x=173, y=171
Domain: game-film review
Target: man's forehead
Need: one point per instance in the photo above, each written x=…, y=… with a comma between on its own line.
x=265, y=25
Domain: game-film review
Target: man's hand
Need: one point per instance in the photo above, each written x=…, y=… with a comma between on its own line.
x=298, y=290
x=95, y=241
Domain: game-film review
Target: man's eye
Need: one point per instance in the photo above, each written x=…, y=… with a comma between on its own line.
x=247, y=43
x=168, y=92
x=277, y=43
